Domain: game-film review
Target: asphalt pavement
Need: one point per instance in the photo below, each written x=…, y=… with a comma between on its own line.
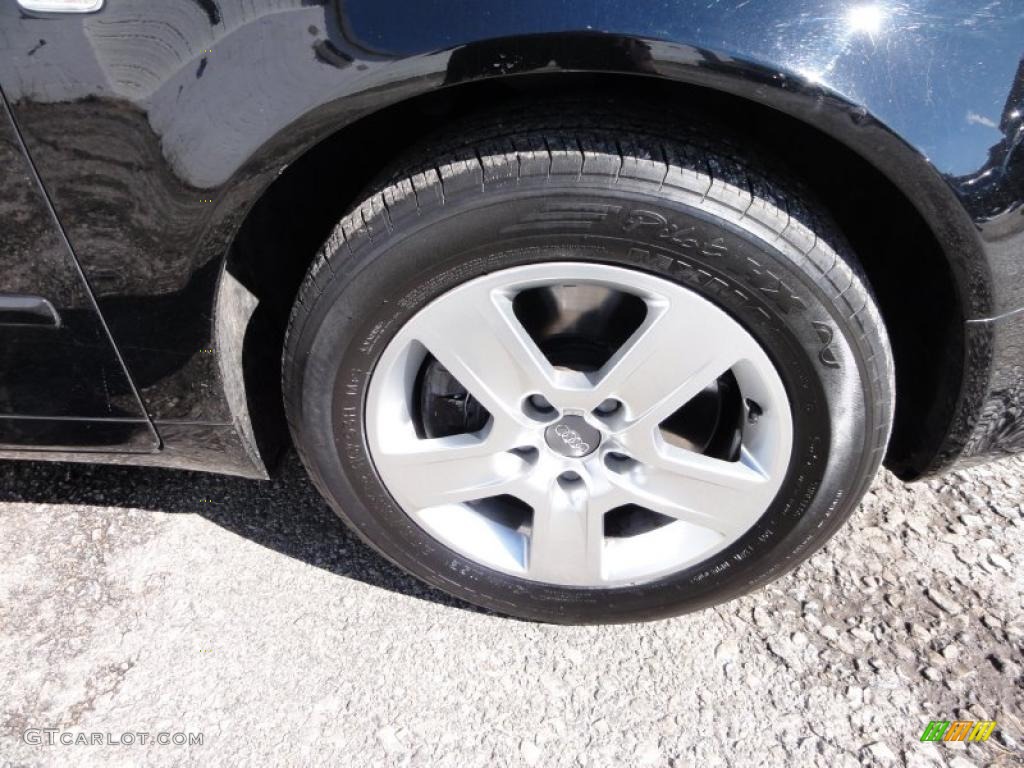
x=139, y=605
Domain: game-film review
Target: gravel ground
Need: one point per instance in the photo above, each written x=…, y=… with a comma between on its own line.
x=149, y=600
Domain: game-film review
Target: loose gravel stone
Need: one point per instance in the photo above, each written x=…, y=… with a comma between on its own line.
x=944, y=600
x=128, y=603
x=880, y=753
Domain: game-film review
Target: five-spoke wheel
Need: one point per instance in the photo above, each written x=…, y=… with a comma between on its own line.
x=588, y=374
x=590, y=456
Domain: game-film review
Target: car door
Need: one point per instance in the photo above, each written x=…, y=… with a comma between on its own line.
x=62, y=383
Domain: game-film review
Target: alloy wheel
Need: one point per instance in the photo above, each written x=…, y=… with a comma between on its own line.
x=579, y=424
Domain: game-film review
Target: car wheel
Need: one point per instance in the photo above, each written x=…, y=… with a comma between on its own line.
x=588, y=370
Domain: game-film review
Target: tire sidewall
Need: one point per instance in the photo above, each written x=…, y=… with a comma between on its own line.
x=387, y=280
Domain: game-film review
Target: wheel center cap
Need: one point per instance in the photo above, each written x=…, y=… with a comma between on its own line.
x=571, y=436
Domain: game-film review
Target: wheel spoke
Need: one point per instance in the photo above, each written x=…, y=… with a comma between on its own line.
x=482, y=344
x=671, y=358
x=724, y=496
x=567, y=539
x=452, y=469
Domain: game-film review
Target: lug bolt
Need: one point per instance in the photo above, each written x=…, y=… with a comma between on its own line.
x=754, y=411
x=540, y=403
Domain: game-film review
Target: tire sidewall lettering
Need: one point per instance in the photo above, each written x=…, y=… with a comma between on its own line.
x=745, y=278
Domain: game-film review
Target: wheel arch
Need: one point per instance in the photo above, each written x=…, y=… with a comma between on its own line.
x=917, y=211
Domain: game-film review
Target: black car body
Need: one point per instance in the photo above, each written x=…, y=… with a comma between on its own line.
x=169, y=169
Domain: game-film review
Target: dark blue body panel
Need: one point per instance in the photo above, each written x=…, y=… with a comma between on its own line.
x=156, y=126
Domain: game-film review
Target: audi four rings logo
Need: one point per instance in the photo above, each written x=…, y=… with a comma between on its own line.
x=572, y=438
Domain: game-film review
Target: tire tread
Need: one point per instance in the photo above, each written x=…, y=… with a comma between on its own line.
x=598, y=145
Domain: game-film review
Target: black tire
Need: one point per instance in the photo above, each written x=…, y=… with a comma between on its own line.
x=677, y=204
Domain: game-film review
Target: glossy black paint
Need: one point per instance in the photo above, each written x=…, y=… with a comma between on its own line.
x=999, y=429
x=61, y=382
x=157, y=126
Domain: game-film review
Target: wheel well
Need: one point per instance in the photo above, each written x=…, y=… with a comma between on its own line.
x=905, y=265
